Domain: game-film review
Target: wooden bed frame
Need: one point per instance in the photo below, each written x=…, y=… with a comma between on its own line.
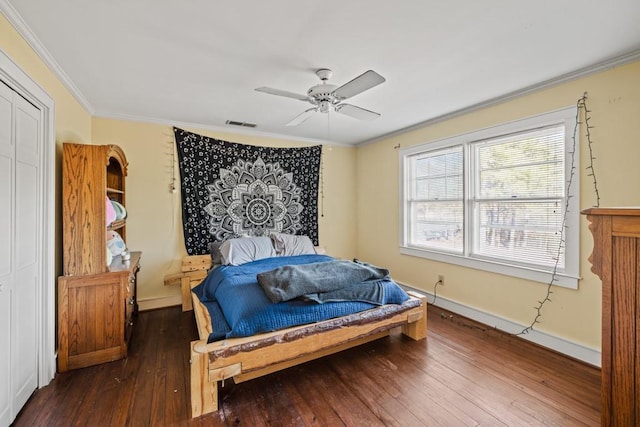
x=251, y=357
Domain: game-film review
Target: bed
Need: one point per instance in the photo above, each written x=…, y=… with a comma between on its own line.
x=220, y=355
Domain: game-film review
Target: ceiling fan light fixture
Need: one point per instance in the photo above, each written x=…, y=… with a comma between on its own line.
x=324, y=106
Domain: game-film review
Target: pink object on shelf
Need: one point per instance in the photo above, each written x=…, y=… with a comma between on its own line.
x=111, y=212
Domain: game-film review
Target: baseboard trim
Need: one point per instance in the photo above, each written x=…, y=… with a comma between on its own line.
x=162, y=302
x=580, y=352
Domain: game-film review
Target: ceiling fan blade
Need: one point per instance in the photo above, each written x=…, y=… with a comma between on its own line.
x=356, y=112
x=283, y=93
x=302, y=117
x=363, y=82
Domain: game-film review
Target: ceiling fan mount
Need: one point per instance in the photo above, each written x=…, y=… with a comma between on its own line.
x=326, y=97
x=324, y=74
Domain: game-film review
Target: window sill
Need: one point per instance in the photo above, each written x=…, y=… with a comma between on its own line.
x=561, y=279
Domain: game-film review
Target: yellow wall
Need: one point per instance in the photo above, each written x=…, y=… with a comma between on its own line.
x=154, y=223
x=614, y=101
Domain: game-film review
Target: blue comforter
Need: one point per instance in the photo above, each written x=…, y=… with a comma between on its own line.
x=233, y=292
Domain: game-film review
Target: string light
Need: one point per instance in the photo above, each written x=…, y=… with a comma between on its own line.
x=172, y=185
x=581, y=105
x=322, y=159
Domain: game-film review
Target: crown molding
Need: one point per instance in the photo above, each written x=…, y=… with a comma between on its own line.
x=23, y=29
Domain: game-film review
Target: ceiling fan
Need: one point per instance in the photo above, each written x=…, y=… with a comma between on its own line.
x=326, y=97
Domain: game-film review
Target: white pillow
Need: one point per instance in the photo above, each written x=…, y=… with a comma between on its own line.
x=246, y=249
x=291, y=245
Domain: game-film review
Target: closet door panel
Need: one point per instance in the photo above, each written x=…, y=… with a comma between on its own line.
x=6, y=178
x=6, y=242
x=25, y=298
x=6, y=209
x=26, y=253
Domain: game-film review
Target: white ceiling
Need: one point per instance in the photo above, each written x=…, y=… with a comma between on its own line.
x=197, y=62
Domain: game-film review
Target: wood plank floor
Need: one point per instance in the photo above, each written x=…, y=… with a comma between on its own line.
x=463, y=374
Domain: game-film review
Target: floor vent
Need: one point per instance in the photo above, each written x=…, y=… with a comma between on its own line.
x=243, y=124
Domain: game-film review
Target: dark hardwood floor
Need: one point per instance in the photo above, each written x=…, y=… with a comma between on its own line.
x=463, y=374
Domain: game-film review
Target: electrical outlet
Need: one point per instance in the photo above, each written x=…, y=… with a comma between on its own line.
x=441, y=279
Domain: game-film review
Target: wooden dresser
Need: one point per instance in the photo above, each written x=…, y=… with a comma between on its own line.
x=616, y=260
x=97, y=296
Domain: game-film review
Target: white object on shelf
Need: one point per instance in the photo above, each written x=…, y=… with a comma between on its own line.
x=115, y=244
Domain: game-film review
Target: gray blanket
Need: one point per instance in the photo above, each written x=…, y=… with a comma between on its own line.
x=371, y=291
x=292, y=281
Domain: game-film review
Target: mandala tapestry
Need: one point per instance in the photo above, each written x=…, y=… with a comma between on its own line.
x=231, y=189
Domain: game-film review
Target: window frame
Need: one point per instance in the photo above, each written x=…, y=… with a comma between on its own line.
x=567, y=277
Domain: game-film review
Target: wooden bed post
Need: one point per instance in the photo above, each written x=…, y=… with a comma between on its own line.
x=194, y=270
x=417, y=328
x=204, y=393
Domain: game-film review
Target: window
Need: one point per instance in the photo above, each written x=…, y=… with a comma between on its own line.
x=495, y=199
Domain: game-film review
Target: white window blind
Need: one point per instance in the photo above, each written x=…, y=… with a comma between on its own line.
x=436, y=200
x=518, y=197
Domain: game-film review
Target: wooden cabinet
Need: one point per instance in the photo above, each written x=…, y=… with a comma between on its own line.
x=616, y=260
x=96, y=315
x=97, y=301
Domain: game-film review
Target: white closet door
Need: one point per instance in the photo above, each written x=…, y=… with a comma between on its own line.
x=20, y=234
x=24, y=341
x=7, y=154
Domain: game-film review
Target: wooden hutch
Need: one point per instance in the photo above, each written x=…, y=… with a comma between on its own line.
x=97, y=302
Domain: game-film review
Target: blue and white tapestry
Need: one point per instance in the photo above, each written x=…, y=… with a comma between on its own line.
x=231, y=190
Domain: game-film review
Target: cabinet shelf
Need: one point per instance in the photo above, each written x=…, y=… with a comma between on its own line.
x=114, y=191
x=117, y=224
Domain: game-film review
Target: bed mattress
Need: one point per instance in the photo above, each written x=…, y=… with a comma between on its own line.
x=239, y=307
